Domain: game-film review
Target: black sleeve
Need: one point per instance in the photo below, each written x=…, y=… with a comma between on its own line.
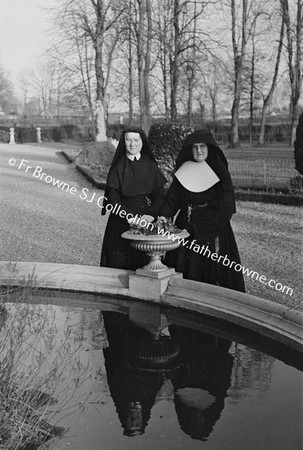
x=172, y=200
x=156, y=202
x=113, y=197
x=210, y=222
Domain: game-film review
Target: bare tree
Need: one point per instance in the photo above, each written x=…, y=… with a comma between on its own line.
x=144, y=37
x=212, y=83
x=163, y=35
x=41, y=83
x=181, y=42
x=239, y=48
x=8, y=102
x=191, y=67
x=260, y=30
x=268, y=98
x=294, y=34
x=98, y=20
x=74, y=54
x=130, y=65
x=175, y=59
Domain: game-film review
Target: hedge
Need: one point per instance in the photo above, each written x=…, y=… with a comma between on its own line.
x=166, y=141
x=4, y=134
x=299, y=146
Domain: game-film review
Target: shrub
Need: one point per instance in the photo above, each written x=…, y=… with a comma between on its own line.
x=25, y=134
x=51, y=134
x=166, y=141
x=96, y=153
x=80, y=133
x=26, y=385
x=295, y=183
x=4, y=135
x=37, y=364
x=114, y=130
x=299, y=146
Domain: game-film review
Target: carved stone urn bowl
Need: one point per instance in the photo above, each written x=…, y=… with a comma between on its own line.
x=155, y=246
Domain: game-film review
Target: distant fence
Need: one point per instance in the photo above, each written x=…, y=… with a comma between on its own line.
x=276, y=132
x=28, y=134
x=268, y=174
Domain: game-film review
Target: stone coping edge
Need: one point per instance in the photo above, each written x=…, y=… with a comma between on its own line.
x=275, y=321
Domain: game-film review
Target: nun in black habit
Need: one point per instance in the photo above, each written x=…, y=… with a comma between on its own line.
x=202, y=192
x=135, y=185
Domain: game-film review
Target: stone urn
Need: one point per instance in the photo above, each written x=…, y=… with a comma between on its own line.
x=155, y=246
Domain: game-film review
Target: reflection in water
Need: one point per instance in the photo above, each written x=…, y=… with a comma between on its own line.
x=138, y=361
x=201, y=386
x=43, y=363
x=252, y=370
x=164, y=376
x=133, y=391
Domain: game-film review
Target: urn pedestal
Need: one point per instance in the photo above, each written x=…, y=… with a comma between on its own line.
x=151, y=281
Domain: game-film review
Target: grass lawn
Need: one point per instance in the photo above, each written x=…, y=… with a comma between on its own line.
x=256, y=152
x=265, y=174
x=269, y=238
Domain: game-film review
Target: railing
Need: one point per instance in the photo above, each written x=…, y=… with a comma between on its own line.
x=265, y=173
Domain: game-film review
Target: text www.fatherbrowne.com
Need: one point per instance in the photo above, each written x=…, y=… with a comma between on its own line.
x=37, y=172
x=205, y=251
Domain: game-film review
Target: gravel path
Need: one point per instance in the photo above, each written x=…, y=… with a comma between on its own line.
x=43, y=222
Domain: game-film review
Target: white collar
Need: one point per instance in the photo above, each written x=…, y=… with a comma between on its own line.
x=137, y=156
x=196, y=176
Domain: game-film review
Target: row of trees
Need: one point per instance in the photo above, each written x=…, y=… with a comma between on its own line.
x=173, y=56
x=8, y=99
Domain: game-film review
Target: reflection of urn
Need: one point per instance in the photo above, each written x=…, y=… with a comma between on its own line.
x=155, y=246
x=157, y=354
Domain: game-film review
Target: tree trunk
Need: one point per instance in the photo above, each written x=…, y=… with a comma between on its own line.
x=144, y=55
x=213, y=108
x=192, y=76
x=175, y=62
x=99, y=109
x=238, y=68
x=130, y=77
x=252, y=86
x=190, y=97
x=163, y=27
x=100, y=126
x=268, y=98
x=294, y=37
x=99, y=112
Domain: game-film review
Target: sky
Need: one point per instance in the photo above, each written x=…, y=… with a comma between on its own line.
x=23, y=33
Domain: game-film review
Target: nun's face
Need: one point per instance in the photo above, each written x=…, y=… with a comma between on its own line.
x=133, y=143
x=200, y=151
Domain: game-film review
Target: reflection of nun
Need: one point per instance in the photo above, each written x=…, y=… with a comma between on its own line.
x=200, y=388
x=132, y=391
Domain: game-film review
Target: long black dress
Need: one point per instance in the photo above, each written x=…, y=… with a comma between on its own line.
x=209, y=225
x=206, y=215
x=138, y=187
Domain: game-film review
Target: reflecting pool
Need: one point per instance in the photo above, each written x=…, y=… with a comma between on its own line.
x=138, y=376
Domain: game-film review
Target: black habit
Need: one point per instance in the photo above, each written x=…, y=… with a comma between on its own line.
x=137, y=187
x=206, y=215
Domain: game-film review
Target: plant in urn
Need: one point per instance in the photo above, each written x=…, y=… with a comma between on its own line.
x=155, y=239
